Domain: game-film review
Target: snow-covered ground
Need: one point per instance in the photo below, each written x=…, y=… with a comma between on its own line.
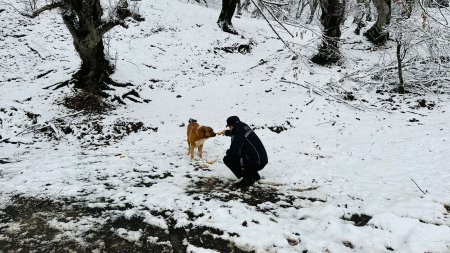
x=339, y=179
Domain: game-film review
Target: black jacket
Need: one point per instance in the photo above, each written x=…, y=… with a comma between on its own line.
x=246, y=144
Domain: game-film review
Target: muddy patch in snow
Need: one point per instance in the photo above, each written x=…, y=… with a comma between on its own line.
x=30, y=224
x=358, y=220
x=263, y=196
x=88, y=130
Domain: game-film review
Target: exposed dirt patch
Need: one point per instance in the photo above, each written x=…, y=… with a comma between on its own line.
x=25, y=228
x=87, y=102
x=224, y=190
x=348, y=244
x=149, y=179
x=42, y=225
x=33, y=117
x=242, y=48
x=88, y=129
x=91, y=131
x=275, y=128
x=4, y=161
x=358, y=219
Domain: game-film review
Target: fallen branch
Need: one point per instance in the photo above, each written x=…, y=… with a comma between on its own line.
x=118, y=99
x=35, y=51
x=276, y=19
x=309, y=102
x=35, y=128
x=58, y=85
x=267, y=20
x=322, y=92
x=333, y=122
x=44, y=74
x=423, y=115
x=274, y=3
x=417, y=186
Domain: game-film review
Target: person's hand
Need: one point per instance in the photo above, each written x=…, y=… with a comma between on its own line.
x=221, y=132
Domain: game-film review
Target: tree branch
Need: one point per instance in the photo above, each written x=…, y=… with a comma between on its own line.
x=267, y=20
x=276, y=19
x=48, y=7
x=108, y=25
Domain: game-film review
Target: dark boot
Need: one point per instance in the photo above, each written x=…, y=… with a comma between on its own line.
x=245, y=182
x=228, y=27
x=256, y=176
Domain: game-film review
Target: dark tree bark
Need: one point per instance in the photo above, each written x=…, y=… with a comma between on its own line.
x=436, y=3
x=378, y=33
x=332, y=17
x=83, y=19
x=313, y=6
x=363, y=10
x=300, y=8
x=400, y=53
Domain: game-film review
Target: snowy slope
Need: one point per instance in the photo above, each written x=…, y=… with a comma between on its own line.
x=331, y=164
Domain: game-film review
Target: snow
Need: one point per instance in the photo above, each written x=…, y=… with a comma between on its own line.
x=355, y=162
x=132, y=236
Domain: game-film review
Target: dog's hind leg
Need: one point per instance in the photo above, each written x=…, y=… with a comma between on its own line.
x=191, y=150
x=189, y=147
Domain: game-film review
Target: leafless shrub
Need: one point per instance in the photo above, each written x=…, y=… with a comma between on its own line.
x=422, y=57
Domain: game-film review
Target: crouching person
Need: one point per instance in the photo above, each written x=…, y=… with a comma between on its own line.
x=246, y=155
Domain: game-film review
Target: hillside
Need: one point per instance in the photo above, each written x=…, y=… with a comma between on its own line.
x=342, y=156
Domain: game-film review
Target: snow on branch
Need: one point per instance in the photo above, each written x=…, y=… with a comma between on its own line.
x=117, y=16
x=110, y=24
x=48, y=7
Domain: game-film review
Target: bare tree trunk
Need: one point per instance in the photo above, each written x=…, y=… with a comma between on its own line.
x=86, y=23
x=313, y=6
x=83, y=22
x=332, y=17
x=378, y=34
x=300, y=8
x=362, y=14
x=95, y=69
x=401, y=85
x=226, y=14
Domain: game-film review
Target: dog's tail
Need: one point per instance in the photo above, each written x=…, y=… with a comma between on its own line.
x=192, y=121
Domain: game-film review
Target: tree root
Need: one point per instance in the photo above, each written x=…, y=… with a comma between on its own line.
x=376, y=36
x=59, y=85
x=87, y=94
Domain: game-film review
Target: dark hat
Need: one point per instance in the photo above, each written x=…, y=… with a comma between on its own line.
x=232, y=120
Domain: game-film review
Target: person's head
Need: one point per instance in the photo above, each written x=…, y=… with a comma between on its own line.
x=232, y=121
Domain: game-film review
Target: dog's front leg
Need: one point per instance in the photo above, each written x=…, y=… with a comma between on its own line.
x=200, y=151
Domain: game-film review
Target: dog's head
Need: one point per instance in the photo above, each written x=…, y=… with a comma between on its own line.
x=206, y=132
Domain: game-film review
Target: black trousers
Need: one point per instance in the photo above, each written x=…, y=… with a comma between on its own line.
x=228, y=8
x=249, y=169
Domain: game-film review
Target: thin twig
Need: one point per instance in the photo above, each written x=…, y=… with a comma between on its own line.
x=274, y=3
x=273, y=29
x=312, y=100
x=418, y=186
x=34, y=128
x=276, y=19
x=322, y=93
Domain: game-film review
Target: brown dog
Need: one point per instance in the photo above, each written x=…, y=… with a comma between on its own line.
x=196, y=136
